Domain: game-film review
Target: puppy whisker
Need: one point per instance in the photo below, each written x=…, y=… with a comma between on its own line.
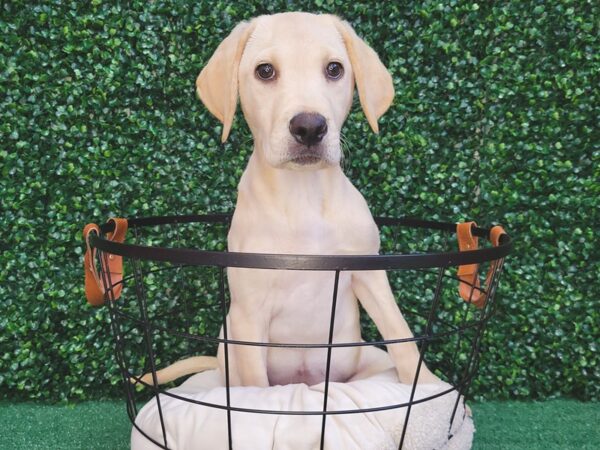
x=346, y=148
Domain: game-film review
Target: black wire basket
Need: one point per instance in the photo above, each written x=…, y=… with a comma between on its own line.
x=168, y=300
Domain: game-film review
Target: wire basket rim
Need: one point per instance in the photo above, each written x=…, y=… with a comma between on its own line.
x=200, y=257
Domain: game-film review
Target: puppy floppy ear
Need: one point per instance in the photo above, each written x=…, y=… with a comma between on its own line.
x=217, y=84
x=373, y=81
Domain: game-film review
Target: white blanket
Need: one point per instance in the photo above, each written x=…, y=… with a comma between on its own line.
x=191, y=426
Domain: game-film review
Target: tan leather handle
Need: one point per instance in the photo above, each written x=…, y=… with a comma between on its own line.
x=469, y=286
x=94, y=287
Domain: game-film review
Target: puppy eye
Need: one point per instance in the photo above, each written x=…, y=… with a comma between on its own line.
x=334, y=70
x=265, y=72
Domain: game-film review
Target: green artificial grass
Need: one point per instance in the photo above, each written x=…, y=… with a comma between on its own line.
x=87, y=425
x=552, y=424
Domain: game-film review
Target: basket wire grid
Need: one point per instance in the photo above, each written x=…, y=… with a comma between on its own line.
x=178, y=290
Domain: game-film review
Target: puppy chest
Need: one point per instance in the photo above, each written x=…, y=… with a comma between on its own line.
x=301, y=303
x=315, y=236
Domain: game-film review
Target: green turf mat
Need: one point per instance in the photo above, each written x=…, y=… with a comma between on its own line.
x=554, y=424
x=87, y=425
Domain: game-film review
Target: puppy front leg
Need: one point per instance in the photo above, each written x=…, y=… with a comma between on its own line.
x=247, y=363
x=373, y=290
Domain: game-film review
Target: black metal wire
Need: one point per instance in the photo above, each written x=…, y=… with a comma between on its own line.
x=225, y=218
x=226, y=354
x=115, y=325
x=422, y=350
x=142, y=301
x=299, y=262
x=186, y=306
x=329, y=350
x=303, y=412
x=381, y=342
x=489, y=302
x=135, y=254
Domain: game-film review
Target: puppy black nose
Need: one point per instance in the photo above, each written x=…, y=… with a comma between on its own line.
x=308, y=128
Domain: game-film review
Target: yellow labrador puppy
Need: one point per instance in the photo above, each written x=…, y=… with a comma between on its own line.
x=295, y=75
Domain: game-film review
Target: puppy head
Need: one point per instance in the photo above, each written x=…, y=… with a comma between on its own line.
x=295, y=74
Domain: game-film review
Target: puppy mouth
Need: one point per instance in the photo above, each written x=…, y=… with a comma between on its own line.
x=307, y=158
x=306, y=155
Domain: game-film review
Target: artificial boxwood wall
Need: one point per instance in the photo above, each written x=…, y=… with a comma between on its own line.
x=495, y=119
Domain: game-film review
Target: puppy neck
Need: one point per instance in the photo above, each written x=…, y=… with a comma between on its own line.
x=268, y=187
